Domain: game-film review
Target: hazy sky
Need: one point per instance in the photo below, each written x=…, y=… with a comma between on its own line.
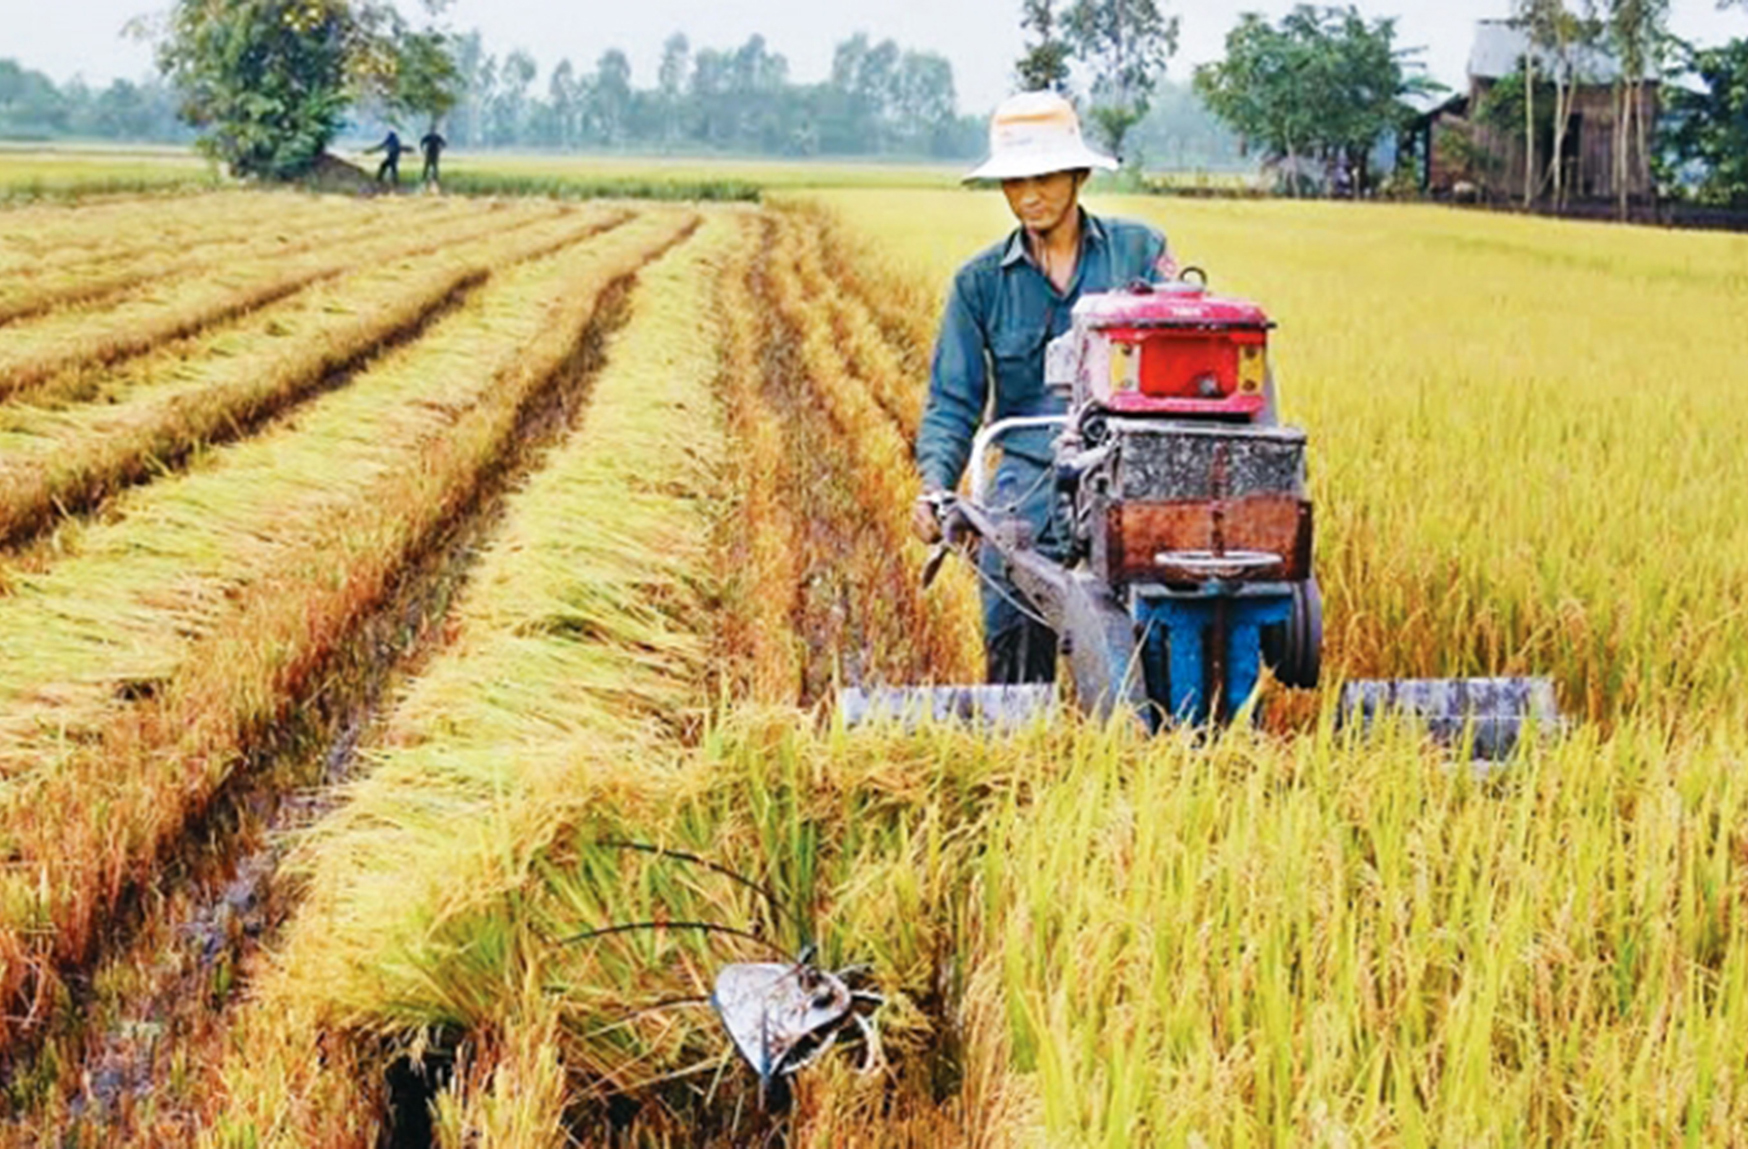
x=981, y=37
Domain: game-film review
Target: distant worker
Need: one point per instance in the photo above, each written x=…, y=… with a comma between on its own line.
x=1004, y=305
x=432, y=145
x=391, y=147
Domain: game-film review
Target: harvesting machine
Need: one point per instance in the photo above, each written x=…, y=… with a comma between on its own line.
x=1190, y=561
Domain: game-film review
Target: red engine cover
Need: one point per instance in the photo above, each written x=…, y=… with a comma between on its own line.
x=1170, y=305
x=1198, y=354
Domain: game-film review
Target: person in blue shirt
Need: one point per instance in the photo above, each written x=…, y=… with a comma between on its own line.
x=1004, y=306
x=432, y=145
x=391, y=148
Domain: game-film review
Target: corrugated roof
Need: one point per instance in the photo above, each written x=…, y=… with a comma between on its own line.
x=1500, y=46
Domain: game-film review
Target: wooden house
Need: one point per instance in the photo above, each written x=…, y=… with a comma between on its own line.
x=1461, y=154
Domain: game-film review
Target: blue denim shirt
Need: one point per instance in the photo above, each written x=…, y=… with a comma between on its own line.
x=1001, y=311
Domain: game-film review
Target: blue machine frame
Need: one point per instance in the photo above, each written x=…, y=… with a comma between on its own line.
x=1191, y=635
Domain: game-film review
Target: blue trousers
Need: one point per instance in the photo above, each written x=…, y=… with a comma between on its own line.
x=1017, y=648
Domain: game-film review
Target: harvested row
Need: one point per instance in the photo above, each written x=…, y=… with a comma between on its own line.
x=433, y=930
x=36, y=238
x=891, y=370
x=143, y=668
x=35, y=350
x=907, y=308
x=580, y=648
x=45, y=286
x=894, y=635
x=154, y=411
x=762, y=539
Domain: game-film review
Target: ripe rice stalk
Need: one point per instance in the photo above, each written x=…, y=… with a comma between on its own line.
x=43, y=287
x=514, y=1094
x=895, y=373
x=35, y=350
x=1293, y=941
x=38, y=238
x=303, y=553
x=1318, y=938
x=885, y=482
x=156, y=410
x=907, y=306
x=582, y=641
x=56, y=175
x=759, y=535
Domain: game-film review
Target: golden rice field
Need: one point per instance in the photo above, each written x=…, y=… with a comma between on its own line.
x=369, y=569
x=69, y=171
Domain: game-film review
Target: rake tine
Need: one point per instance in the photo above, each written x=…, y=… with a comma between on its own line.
x=628, y=927
x=716, y=867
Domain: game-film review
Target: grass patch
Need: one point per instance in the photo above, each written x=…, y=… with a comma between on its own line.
x=585, y=187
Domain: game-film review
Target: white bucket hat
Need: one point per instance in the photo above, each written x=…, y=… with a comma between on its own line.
x=1035, y=134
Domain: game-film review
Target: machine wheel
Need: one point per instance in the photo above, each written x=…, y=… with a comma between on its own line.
x=1294, y=650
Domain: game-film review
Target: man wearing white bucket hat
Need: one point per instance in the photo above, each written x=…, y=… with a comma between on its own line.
x=1005, y=305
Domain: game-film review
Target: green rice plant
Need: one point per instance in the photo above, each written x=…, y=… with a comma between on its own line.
x=583, y=186
x=136, y=686
x=65, y=446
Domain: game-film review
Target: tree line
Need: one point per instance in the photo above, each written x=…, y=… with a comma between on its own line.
x=879, y=100
x=268, y=84
x=34, y=107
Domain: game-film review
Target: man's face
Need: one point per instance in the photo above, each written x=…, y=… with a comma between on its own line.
x=1042, y=202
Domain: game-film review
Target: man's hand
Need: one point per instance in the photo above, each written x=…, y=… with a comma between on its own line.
x=925, y=520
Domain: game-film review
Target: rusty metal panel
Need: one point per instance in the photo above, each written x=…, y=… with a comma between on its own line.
x=1170, y=461
x=1134, y=533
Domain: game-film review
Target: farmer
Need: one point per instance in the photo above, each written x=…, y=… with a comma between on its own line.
x=432, y=145
x=1003, y=307
x=391, y=147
